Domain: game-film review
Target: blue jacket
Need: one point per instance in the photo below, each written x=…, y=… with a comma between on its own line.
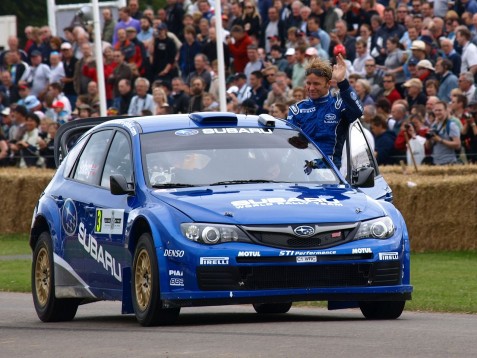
x=326, y=119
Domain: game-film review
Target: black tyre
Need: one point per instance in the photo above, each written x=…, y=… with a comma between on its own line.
x=272, y=308
x=382, y=309
x=47, y=306
x=145, y=287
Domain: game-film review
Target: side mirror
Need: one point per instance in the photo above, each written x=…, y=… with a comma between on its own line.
x=363, y=177
x=119, y=186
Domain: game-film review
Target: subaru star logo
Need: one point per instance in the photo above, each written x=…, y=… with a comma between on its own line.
x=186, y=132
x=69, y=217
x=304, y=230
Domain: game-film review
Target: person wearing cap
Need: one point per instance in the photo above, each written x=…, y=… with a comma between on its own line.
x=425, y=71
x=57, y=71
x=469, y=50
x=414, y=92
x=325, y=118
x=40, y=75
x=164, y=52
x=125, y=20
x=448, y=80
x=141, y=58
x=443, y=138
x=418, y=49
x=28, y=100
x=69, y=63
x=291, y=60
x=315, y=42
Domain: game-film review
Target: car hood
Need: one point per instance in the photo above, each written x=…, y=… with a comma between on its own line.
x=250, y=204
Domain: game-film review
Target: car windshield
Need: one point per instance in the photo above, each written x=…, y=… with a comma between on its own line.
x=226, y=156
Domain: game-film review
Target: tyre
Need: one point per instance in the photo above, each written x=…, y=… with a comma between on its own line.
x=272, y=308
x=382, y=309
x=47, y=306
x=145, y=287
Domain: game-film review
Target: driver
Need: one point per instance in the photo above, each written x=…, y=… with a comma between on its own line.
x=324, y=117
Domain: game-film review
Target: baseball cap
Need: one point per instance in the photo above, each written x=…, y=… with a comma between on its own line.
x=273, y=38
x=66, y=46
x=162, y=26
x=418, y=45
x=31, y=102
x=412, y=61
x=311, y=51
x=22, y=87
x=35, y=53
x=233, y=89
x=6, y=111
x=315, y=35
x=290, y=51
x=413, y=82
x=131, y=29
x=240, y=75
x=427, y=39
x=426, y=64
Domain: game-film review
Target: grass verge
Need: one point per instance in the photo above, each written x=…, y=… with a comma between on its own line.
x=443, y=281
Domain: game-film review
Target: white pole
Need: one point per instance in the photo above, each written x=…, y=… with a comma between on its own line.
x=51, y=16
x=99, y=58
x=220, y=55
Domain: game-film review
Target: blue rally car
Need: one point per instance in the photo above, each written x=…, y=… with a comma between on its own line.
x=214, y=209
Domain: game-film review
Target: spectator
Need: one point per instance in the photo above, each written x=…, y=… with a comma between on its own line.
x=4, y=150
x=201, y=64
x=340, y=37
x=448, y=80
x=197, y=91
x=164, y=51
x=147, y=33
x=469, y=136
x=469, y=50
x=274, y=26
x=40, y=75
x=330, y=16
x=254, y=62
x=390, y=91
x=298, y=76
x=57, y=71
x=447, y=47
x=80, y=81
x=175, y=15
x=383, y=141
x=414, y=92
x=28, y=100
x=125, y=95
x=69, y=63
x=251, y=20
x=398, y=117
x=120, y=72
x=243, y=90
x=133, y=6
x=298, y=94
x=238, y=49
x=444, y=137
x=109, y=25
x=363, y=90
x=279, y=110
x=142, y=99
x=160, y=100
x=395, y=59
x=180, y=98
x=466, y=85
x=56, y=90
x=362, y=55
x=374, y=78
x=189, y=50
x=10, y=89
x=425, y=71
x=27, y=148
x=280, y=92
x=19, y=70
x=125, y=20
x=47, y=146
x=258, y=93
x=209, y=103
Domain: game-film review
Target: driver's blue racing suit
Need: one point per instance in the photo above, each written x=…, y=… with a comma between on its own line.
x=326, y=119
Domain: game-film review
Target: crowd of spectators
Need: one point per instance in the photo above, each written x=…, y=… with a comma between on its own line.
x=412, y=63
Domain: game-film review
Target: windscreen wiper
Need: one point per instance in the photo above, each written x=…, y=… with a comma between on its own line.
x=173, y=185
x=251, y=181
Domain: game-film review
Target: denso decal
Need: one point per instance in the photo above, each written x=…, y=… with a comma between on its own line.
x=237, y=131
x=306, y=253
x=388, y=256
x=214, y=260
x=243, y=204
x=173, y=253
x=248, y=254
x=362, y=250
x=98, y=253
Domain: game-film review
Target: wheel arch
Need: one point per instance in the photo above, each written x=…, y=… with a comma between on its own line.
x=39, y=225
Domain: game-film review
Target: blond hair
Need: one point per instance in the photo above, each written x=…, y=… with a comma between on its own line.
x=319, y=67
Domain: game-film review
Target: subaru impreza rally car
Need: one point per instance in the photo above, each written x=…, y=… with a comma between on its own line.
x=214, y=209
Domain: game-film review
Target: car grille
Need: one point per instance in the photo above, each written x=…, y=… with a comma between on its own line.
x=310, y=276
x=328, y=236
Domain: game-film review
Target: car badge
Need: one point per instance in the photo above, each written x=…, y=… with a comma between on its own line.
x=304, y=231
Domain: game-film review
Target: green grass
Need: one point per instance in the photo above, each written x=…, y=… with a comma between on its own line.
x=443, y=281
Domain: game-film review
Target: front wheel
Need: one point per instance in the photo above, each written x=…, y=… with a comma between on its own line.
x=47, y=306
x=382, y=309
x=272, y=308
x=145, y=287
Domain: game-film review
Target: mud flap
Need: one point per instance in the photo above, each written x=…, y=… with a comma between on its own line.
x=127, y=306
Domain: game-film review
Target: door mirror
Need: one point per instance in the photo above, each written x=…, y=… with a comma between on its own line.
x=363, y=177
x=119, y=186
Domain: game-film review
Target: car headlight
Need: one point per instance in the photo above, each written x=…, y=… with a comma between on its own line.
x=213, y=233
x=382, y=228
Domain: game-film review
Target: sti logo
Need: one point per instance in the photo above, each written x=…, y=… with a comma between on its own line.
x=304, y=231
x=69, y=217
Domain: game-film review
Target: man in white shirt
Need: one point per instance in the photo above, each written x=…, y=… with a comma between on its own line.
x=40, y=74
x=142, y=100
x=469, y=50
x=57, y=71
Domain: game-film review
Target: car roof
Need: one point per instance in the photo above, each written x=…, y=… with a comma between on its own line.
x=151, y=124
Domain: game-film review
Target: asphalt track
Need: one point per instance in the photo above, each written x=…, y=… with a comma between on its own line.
x=232, y=331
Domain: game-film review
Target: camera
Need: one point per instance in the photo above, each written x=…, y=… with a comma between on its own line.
x=431, y=134
x=468, y=115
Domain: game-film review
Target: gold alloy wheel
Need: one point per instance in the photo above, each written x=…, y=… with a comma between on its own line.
x=143, y=284
x=42, y=277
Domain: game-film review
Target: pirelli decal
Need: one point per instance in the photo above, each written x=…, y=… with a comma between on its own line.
x=109, y=221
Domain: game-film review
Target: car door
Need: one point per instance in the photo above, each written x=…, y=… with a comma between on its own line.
x=361, y=155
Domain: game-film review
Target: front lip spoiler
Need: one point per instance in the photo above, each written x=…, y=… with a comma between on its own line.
x=402, y=296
